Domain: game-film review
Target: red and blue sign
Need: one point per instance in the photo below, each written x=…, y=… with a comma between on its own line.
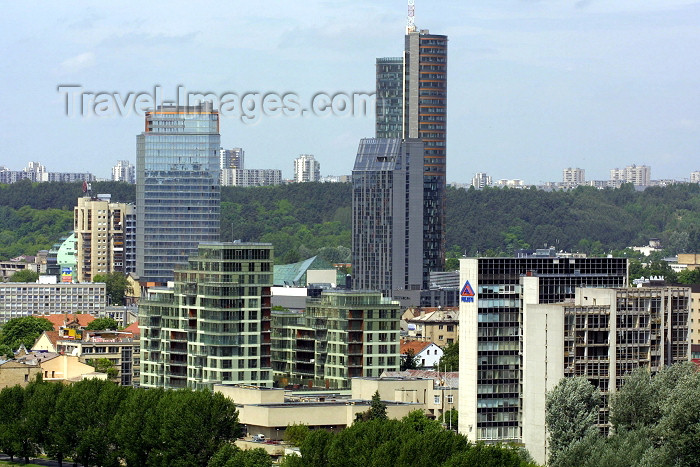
x=467, y=292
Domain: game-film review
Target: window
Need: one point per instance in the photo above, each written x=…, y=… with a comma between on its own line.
x=441, y=338
x=436, y=399
x=450, y=399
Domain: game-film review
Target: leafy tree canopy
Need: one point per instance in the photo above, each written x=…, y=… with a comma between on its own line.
x=450, y=358
x=24, y=275
x=101, y=324
x=117, y=286
x=24, y=330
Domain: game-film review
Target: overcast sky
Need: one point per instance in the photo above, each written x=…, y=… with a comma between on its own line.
x=533, y=86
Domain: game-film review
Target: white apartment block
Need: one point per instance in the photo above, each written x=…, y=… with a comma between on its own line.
x=31, y=299
x=481, y=180
x=124, y=171
x=695, y=177
x=573, y=176
x=231, y=158
x=306, y=169
x=251, y=177
x=634, y=174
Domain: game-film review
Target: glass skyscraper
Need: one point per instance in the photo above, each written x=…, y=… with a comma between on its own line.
x=177, y=187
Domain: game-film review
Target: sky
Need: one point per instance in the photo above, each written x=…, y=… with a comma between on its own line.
x=534, y=86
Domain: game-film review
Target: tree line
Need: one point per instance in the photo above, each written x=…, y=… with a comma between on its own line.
x=655, y=421
x=98, y=423
x=304, y=219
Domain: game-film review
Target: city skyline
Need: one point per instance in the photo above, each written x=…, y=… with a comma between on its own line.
x=588, y=84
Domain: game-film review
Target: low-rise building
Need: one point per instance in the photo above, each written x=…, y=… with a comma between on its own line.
x=440, y=326
x=425, y=354
x=122, y=349
x=30, y=299
x=270, y=410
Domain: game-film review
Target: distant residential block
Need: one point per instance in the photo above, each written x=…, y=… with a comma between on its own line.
x=306, y=169
x=124, y=171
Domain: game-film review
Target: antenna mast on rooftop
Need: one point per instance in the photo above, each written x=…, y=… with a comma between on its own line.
x=410, y=23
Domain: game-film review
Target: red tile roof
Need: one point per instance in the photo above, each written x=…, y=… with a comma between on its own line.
x=133, y=328
x=416, y=346
x=60, y=319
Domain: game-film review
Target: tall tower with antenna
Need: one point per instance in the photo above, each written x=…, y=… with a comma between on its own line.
x=410, y=23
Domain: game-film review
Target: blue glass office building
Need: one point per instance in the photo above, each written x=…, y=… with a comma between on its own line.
x=177, y=187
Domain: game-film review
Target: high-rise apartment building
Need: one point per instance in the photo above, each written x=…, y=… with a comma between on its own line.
x=491, y=339
x=481, y=180
x=573, y=176
x=340, y=335
x=214, y=325
x=177, y=187
x=603, y=335
x=412, y=104
x=695, y=177
x=231, y=158
x=634, y=174
x=124, y=171
x=105, y=237
x=388, y=223
x=306, y=169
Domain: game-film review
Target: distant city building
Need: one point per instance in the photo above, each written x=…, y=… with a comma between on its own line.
x=481, y=180
x=389, y=98
x=19, y=299
x=214, y=325
x=178, y=194
x=514, y=183
x=36, y=172
x=341, y=335
x=426, y=354
x=251, y=177
x=573, y=177
x=105, y=237
x=336, y=179
x=636, y=175
x=438, y=326
x=231, y=158
x=124, y=171
x=695, y=177
x=306, y=169
x=388, y=228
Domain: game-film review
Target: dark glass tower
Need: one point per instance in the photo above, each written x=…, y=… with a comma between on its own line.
x=412, y=103
x=177, y=187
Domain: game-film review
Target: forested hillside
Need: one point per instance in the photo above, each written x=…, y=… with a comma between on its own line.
x=311, y=218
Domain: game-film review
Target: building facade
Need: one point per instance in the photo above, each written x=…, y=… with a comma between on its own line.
x=341, y=335
x=306, y=169
x=177, y=187
x=388, y=249
x=214, y=325
x=389, y=97
x=124, y=171
x=573, y=176
x=636, y=175
x=481, y=180
x=251, y=177
x=19, y=299
x=603, y=336
x=105, y=237
x=231, y=158
x=491, y=337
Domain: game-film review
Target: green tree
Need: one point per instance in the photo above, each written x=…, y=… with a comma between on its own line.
x=104, y=365
x=408, y=361
x=11, y=403
x=24, y=275
x=450, y=419
x=137, y=442
x=450, y=358
x=24, y=330
x=6, y=352
x=679, y=426
x=117, y=286
x=101, y=324
x=296, y=434
x=230, y=455
x=572, y=410
x=688, y=276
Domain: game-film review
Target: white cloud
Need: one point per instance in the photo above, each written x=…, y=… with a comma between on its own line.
x=77, y=63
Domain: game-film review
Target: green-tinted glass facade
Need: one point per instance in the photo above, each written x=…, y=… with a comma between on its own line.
x=177, y=188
